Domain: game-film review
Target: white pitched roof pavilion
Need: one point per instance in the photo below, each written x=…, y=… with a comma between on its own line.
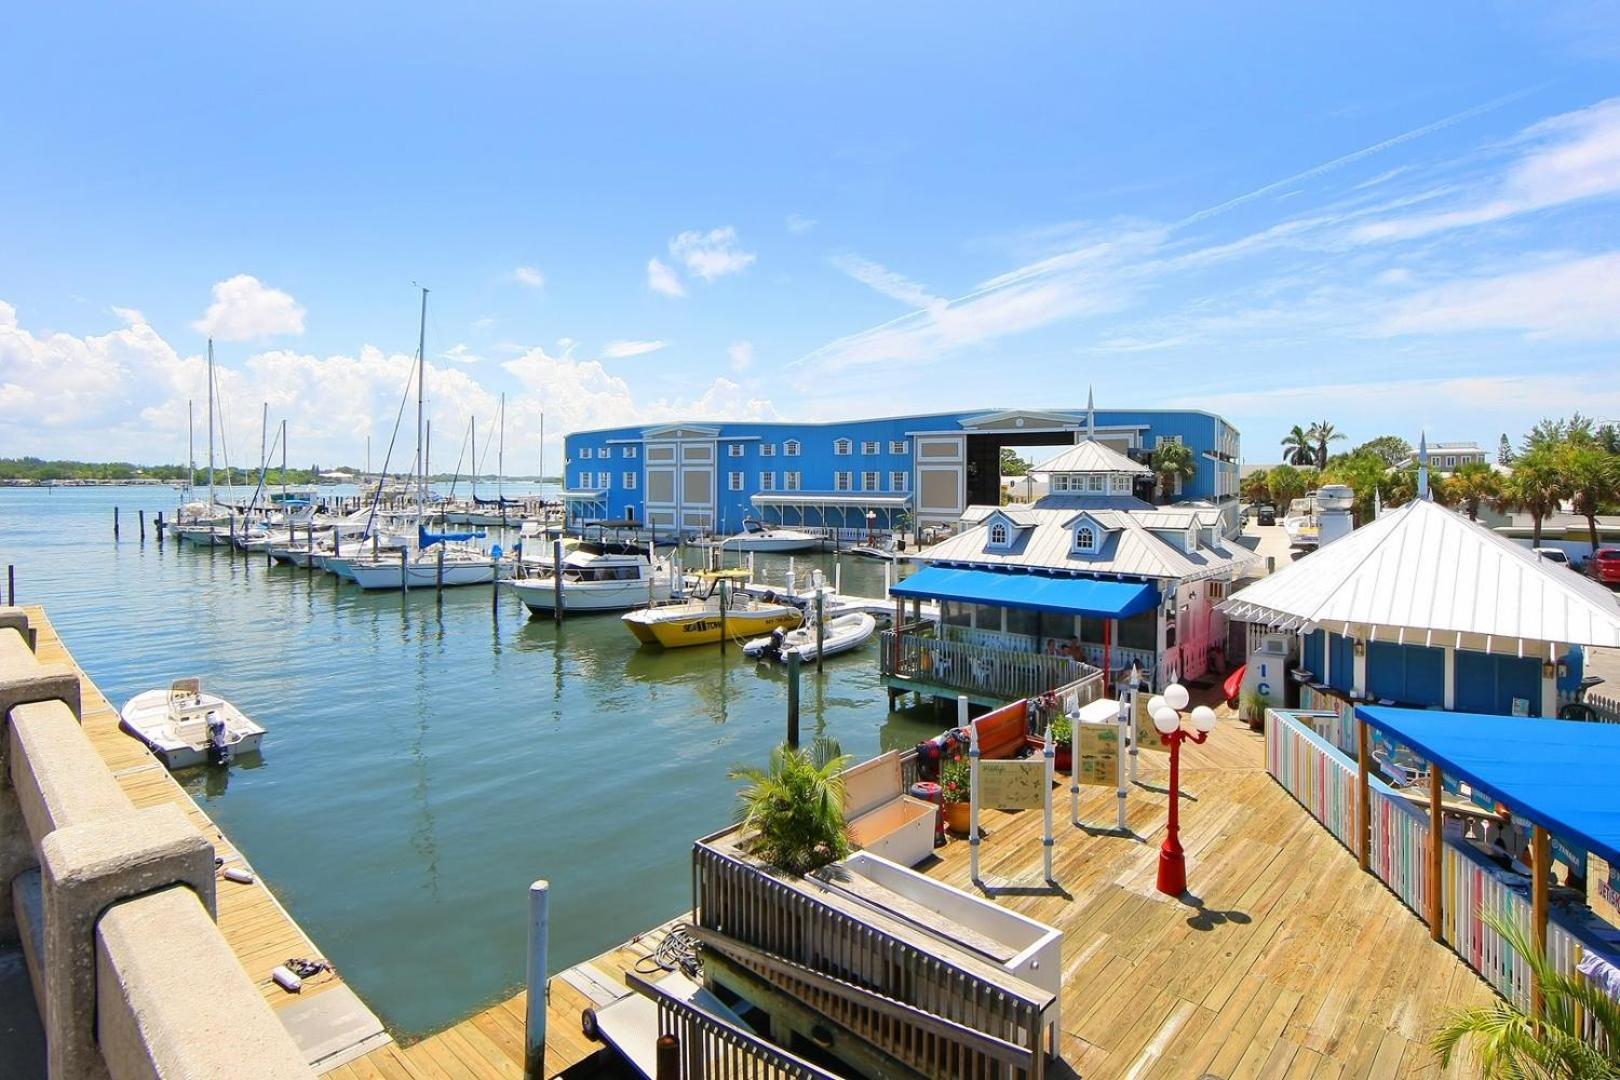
x=1425, y=575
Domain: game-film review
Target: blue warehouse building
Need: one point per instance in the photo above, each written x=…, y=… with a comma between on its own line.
x=905, y=471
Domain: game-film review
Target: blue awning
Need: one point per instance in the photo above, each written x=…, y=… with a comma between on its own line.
x=1559, y=774
x=1036, y=592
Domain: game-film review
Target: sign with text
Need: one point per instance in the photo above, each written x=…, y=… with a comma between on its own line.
x=1147, y=736
x=1099, y=755
x=1013, y=785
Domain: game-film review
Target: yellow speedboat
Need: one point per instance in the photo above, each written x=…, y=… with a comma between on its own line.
x=698, y=621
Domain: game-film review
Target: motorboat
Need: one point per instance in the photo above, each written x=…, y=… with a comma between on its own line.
x=756, y=536
x=699, y=621
x=1301, y=522
x=886, y=550
x=838, y=635
x=597, y=575
x=184, y=726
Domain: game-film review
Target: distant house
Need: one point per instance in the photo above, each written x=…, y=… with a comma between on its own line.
x=1089, y=573
x=1447, y=457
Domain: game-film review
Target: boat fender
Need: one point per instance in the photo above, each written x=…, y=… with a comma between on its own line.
x=286, y=979
x=239, y=875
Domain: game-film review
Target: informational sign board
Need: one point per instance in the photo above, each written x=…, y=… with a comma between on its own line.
x=1603, y=889
x=1147, y=736
x=1099, y=755
x=1013, y=785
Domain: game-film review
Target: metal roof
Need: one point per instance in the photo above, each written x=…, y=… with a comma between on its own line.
x=1091, y=456
x=829, y=498
x=1129, y=549
x=1425, y=569
x=1557, y=773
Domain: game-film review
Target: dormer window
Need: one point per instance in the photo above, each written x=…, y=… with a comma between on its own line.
x=998, y=534
x=1085, y=539
x=1094, y=482
x=1121, y=484
x=1192, y=540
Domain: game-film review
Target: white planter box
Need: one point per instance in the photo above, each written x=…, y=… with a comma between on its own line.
x=882, y=818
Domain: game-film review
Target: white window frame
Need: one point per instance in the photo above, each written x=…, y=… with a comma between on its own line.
x=585, y=453
x=604, y=480
x=1096, y=482
x=1000, y=535
x=842, y=447
x=734, y=449
x=898, y=446
x=791, y=448
x=1085, y=538
x=1120, y=484
x=734, y=481
x=870, y=479
x=632, y=451
x=767, y=449
x=584, y=481
x=767, y=481
x=793, y=481
x=628, y=481
x=870, y=446
x=899, y=481
x=843, y=481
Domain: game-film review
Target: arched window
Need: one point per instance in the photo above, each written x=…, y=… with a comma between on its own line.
x=791, y=448
x=1085, y=539
x=841, y=446
x=998, y=534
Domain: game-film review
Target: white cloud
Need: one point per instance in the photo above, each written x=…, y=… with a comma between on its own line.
x=529, y=277
x=661, y=279
x=461, y=353
x=619, y=350
x=1572, y=300
x=742, y=355
x=129, y=316
x=246, y=309
x=710, y=255
x=1567, y=158
x=798, y=225
x=886, y=281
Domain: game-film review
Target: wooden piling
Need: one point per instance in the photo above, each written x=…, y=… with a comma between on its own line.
x=667, y=1058
x=140, y=520
x=793, y=662
x=821, y=625
x=160, y=528
x=115, y=524
x=557, y=581
x=11, y=584
x=438, y=573
x=404, y=573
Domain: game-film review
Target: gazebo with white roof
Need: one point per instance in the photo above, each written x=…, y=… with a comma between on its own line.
x=1426, y=608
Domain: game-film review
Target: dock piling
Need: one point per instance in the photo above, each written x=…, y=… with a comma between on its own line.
x=821, y=625
x=160, y=528
x=534, y=1024
x=115, y=524
x=438, y=574
x=404, y=573
x=140, y=520
x=667, y=1058
x=11, y=584
x=793, y=662
x=557, y=581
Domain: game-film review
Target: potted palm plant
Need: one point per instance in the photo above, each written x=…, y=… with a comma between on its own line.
x=1253, y=706
x=793, y=809
x=955, y=794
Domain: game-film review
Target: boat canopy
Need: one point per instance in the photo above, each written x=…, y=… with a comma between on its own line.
x=427, y=539
x=1035, y=592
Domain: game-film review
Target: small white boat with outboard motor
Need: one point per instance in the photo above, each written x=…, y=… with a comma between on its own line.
x=838, y=635
x=184, y=726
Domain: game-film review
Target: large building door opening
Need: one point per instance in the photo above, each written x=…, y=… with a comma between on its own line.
x=984, y=458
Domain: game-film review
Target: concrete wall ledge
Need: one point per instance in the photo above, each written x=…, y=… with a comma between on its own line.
x=59, y=778
x=172, y=1001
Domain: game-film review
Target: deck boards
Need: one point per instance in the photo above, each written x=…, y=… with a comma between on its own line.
x=254, y=924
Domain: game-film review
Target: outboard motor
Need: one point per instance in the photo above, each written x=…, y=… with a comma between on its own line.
x=219, y=751
x=773, y=651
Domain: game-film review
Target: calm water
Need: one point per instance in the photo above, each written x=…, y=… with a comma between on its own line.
x=425, y=762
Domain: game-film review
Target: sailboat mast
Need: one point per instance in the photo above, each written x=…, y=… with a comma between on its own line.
x=421, y=376
x=284, y=468
x=191, y=451
x=542, y=461
x=473, y=421
x=210, y=425
x=500, y=458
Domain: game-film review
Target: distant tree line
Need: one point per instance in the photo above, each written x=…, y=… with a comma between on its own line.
x=42, y=471
x=1573, y=462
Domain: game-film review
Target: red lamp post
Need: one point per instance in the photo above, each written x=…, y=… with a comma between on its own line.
x=1167, y=721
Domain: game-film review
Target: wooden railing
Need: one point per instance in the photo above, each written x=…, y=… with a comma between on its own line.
x=975, y=669
x=1323, y=780
x=932, y=1015
x=712, y=1049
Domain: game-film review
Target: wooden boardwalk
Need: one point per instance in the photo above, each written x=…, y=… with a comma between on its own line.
x=254, y=924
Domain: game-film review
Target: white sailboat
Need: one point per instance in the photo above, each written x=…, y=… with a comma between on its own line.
x=200, y=523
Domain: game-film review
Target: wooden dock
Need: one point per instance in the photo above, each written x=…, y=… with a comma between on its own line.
x=253, y=923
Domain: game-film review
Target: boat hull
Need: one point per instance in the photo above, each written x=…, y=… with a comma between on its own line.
x=143, y=717
x=677, y=630
x=776, y=545
x=422, y=574
x=539, y=595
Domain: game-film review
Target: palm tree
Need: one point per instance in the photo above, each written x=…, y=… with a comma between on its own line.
x=1322, y=433
x=1592, y=478
x=794, y=808
x=1472, y=484
x=1256, y=488
x=1510, y=1044
x=1287, y=484
x=1298, y=448
x=1536, y=487
x=1172, y=461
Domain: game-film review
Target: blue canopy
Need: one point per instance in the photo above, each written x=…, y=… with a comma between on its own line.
x=427, y=539
x=1037, y=592
x=1560, y=774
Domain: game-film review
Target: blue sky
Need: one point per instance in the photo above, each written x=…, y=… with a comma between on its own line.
x=1391, y=216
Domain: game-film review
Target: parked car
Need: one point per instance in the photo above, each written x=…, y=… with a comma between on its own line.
x=1552, y=554
x=1605, y=564
x=1265, y=514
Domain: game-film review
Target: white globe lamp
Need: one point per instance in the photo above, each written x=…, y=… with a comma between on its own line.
x=1166, y=720
x=1155, y=703
x=1203, y=719
x=1176, y=696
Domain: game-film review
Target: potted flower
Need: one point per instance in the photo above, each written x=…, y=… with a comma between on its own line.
x=1253, y=705
x=1063, y=742
x=955, y=794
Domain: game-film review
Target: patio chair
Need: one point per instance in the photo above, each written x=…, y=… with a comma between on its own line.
x=1399, y=775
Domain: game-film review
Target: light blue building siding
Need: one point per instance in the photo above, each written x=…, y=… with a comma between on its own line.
x=699, y=477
